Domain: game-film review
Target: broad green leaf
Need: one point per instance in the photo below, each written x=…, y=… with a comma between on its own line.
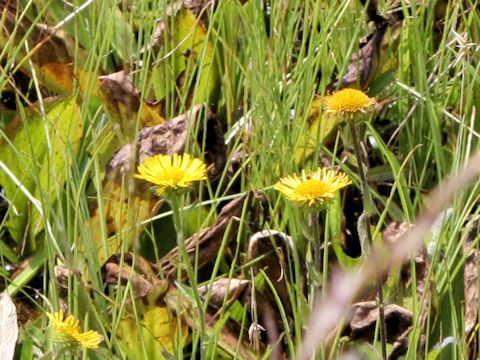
x=38, y=153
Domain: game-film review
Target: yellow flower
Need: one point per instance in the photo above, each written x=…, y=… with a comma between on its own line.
x=69, y=334
x=350, y=101
x=172, y=171
x=313, y=189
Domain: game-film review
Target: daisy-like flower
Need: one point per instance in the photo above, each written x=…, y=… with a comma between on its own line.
x=349, y=101
x=312, y=189
x=172, y=172
x=69, y=334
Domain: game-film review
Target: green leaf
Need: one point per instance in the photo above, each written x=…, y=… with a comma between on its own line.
x=37, y=154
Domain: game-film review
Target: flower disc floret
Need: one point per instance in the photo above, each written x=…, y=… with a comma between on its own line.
x=312, y=189
x=349, y=101
x=69, y=334
x=172, y=172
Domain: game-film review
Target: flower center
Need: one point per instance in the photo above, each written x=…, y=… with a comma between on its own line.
x=312, y=189
x=173, y=176
x=349, y=100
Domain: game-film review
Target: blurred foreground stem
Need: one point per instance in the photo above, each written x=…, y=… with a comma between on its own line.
x=368, y=206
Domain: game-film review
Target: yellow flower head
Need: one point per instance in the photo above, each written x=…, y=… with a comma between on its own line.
x=172, y=172
x=69, y=334
x=350, y=101
x=313, y=189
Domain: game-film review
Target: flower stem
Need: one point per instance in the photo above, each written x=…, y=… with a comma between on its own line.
x=368, y=207
x=315, y=228
x=175, y=203
x=314, y=244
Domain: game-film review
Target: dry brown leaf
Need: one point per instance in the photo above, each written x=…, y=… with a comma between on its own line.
x=364, y=65
x=207, y=242
x=393, y=233
x=269, y=251
x=197, y=7
x=158, y=325
x=272, y=249
x=141, y=274
x=400, y=346
x=365, y=316
x=223, y=290
x=171, y=138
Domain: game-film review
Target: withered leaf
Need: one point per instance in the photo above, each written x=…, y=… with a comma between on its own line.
x=197, y=7
x=223, y=290
x=133, y=269
x=400, y=345
x=394, y=233
x=207, y=241
x=365, y=316
x=364, y=65
x=123, y=105
x=269, y=251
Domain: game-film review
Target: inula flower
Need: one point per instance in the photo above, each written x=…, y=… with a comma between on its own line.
x=312, y=189
x=349, y=101
x=69, y=334
x=172, y=172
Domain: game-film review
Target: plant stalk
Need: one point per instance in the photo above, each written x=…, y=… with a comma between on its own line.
x=314, y=244
x=368, y=206
x=175, y=203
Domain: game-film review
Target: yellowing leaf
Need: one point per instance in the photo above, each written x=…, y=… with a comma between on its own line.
x=193, y=59
x=157, y=330
x=320, y=126
x=42, y=52
x=122, y=214
x=124, y=107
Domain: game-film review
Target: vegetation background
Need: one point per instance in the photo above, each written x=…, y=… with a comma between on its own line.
x=90, y=88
